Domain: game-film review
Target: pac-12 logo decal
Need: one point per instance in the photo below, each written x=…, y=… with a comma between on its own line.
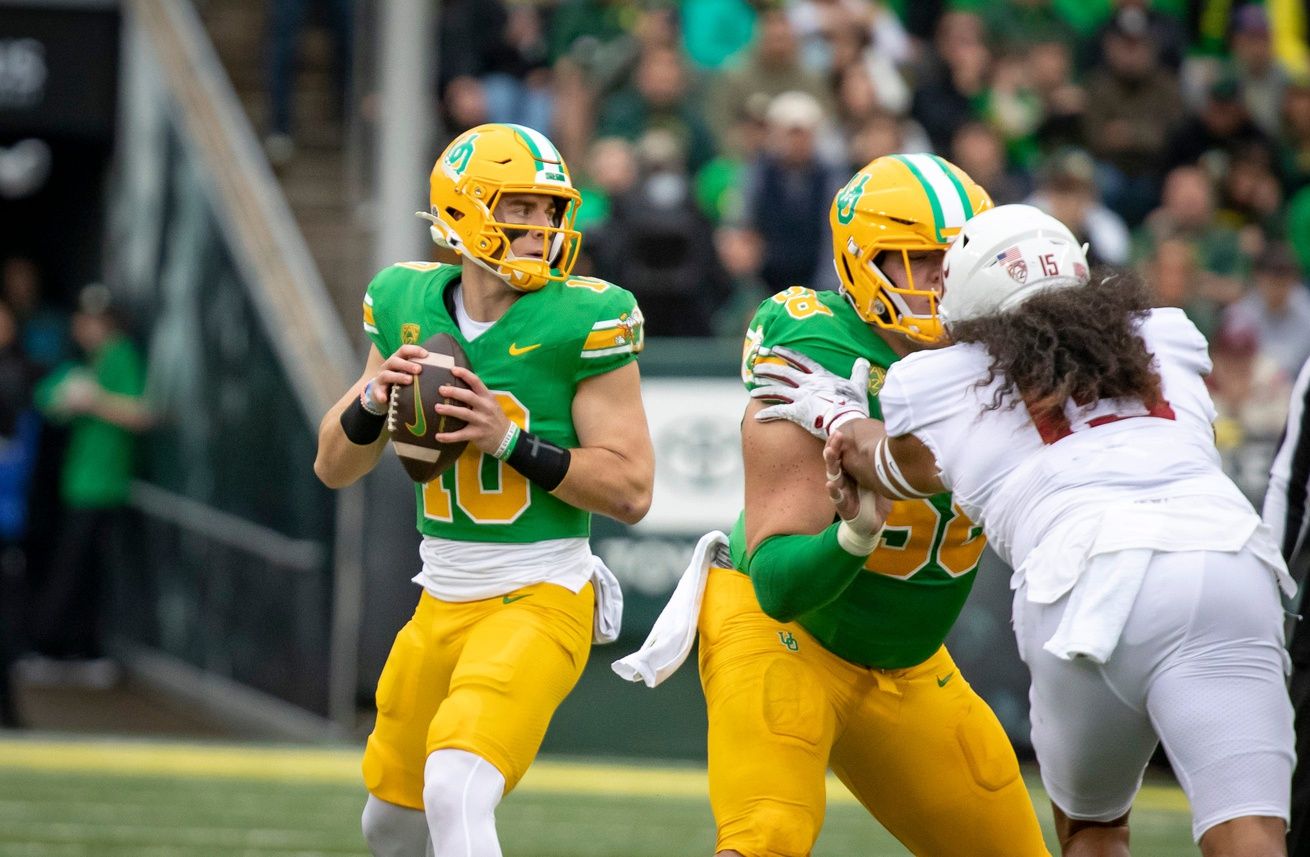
x=409, y=334
x=849, y=197
x=877, y=375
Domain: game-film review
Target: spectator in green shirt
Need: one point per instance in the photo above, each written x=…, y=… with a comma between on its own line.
x=101, y=401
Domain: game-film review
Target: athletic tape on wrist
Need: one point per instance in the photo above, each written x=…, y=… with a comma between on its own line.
x=854, y=543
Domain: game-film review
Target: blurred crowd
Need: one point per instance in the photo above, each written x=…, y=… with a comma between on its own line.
x=71, y=403
x=708, y=138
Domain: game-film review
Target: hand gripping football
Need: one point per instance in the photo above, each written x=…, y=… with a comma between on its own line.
x=412, y=421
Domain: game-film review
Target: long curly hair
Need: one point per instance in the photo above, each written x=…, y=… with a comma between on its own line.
x=1078, y=343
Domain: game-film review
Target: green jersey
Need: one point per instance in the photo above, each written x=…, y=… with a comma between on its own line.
x=533, y=359
x=97, y=471
x=897, y=612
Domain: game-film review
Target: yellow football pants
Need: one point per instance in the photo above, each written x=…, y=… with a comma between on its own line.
x=918, y=748
x=482, y=676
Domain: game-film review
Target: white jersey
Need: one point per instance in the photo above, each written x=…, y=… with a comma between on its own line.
x=1112, y=477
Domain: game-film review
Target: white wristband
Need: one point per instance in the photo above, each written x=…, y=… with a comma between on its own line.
x=506, y=443
x=854, y=543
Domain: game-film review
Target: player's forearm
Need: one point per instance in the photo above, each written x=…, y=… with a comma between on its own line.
x=607, y=483
x=794, y=574
x=129, y=412
x=340, y=461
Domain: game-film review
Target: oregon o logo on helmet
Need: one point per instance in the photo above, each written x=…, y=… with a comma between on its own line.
x=849, y=196
x=458, y=159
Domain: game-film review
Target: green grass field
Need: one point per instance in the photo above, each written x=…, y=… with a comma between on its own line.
x=68, y=798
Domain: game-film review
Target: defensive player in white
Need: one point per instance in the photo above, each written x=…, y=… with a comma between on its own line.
x=1073, y=423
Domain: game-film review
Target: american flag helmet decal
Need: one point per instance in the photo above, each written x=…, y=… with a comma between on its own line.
x=1010, y=255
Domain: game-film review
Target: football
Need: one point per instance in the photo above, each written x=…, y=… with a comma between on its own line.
x=412, y=422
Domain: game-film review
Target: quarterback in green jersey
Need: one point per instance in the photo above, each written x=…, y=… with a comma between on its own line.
x=512, y=597
x=821, y=646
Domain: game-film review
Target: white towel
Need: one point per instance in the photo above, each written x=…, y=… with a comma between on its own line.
x=608, y=620
x=1099, y=605
x=670, y=638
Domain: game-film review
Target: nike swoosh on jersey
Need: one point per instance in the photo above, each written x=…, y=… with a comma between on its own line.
x=941, y=682
x=510, y=599
x=515, y=351
x=419, y=427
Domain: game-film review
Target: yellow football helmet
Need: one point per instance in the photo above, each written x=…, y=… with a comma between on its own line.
x=470, y=178
x=899, y=203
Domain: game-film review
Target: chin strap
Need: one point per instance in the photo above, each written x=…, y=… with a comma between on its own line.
x=441, y=240
x=437, y=237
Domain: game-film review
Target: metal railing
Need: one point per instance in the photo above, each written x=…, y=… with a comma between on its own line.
x=246, y=354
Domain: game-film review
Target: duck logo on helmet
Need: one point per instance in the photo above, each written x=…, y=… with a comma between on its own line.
x=850, y=197
x=457, y=160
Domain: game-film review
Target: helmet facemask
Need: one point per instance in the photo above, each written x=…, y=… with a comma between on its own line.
x=493, y=246
x=559, y=242
x=877, y=298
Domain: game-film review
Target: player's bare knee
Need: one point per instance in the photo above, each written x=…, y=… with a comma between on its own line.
x=1248, y=836
x=1066, y=828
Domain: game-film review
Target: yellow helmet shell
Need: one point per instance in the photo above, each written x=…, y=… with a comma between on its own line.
x=901, y=203
x=481, y=166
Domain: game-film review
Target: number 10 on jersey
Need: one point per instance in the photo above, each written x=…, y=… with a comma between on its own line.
x=503, y=502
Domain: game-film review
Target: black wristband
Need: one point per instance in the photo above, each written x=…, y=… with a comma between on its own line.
x=361, y=427
x=540, y=460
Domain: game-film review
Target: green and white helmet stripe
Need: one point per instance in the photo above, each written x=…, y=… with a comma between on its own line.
x=550, y=166
x=950, y=202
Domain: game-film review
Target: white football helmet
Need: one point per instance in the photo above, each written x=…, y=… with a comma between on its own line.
x=1004, y=256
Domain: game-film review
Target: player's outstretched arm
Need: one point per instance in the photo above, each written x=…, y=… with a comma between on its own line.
x=612, y=472
x=350, y=440
x=899, y=468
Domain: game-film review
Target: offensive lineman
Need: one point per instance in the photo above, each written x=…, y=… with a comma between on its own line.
x=556, y=431
x=1074, y=422
x=821, y=642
